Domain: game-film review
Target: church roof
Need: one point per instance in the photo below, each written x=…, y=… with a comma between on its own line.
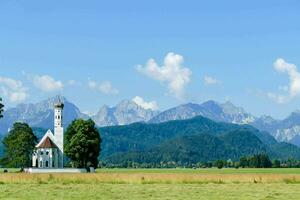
x=47, y=143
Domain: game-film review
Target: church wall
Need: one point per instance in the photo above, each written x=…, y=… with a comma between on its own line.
x=45, y=158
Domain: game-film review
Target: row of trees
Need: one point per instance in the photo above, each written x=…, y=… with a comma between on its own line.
x=81, y=146
x=255, y=161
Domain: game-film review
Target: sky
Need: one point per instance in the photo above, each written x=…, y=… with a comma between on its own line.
x=159, y=53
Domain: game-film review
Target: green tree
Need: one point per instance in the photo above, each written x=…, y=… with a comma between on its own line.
x=1, y=108
x=264, y=161
x=254, y=162
x=82, y=143
x=276, y=163
x=18, y=146
x=244, y=162
x=219, y=164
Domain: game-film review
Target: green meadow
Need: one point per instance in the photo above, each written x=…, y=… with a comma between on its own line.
x=172, y=184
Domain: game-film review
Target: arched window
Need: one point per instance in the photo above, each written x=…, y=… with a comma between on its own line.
x=47, y=164
x=41, y=163
x=36, y=163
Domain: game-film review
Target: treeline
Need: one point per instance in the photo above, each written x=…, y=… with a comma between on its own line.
x=255, y=161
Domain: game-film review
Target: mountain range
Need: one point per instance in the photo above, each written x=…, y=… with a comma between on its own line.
x=286, y=130
x=39, y=114
x=188, y=142
x=127, y=112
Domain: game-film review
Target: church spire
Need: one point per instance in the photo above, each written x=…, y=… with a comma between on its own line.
x=58, y=129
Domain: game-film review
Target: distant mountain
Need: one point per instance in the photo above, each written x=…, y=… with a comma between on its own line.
x=126, y=112
x=189, y=141
x=286, y=130
x=39, y=114
x=226, y=112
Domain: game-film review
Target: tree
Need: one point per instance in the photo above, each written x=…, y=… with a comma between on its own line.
x=244, y=162
x=254, y=162
x=18, y=146
x=265, y=161
x=276, y=164
x=219, y=164
x=82, y=143
x=1, y=108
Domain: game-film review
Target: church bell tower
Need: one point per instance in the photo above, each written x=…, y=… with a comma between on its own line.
x=59, y=130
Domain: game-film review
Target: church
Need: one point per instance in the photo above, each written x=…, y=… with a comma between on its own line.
x=49, y=152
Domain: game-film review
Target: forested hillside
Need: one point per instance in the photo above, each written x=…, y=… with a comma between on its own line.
x=195, y=140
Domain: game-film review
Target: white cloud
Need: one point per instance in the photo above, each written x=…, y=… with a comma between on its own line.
x=105, y=87
x=72, y=82
x=208, y=80
x=172, y=73
x=46, y=83
x=293, y=89
x=89, y=113
x=13, y=89
x=152, y=105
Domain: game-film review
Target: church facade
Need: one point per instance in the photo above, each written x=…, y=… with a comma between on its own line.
x=49, y=152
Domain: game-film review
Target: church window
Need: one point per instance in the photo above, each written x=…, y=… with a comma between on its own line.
x=41, y=163
x=47, y=153
x=47, y=164
x=42, y=152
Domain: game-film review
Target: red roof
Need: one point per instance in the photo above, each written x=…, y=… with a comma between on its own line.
x=47, y=143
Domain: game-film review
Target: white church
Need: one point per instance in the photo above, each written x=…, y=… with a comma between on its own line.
x=48, y=156
x=49, y=152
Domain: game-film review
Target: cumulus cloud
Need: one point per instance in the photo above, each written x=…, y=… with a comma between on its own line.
x=208, y=80
x=105, y=87
x=293, y=89
x=13, y=89
x=72, y=82
x=152, y=105
x=172, y=73
x=46, y=83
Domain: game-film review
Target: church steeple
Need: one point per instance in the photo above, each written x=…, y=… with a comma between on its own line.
x=58, y=129
x=58, y=113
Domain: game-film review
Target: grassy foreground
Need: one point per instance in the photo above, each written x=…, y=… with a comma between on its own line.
x=155, y=184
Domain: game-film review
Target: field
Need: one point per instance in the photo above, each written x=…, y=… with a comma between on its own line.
x=155, y=184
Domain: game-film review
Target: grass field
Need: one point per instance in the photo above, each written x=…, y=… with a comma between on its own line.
x=155, y=184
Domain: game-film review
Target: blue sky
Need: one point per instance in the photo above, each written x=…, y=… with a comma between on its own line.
x=96, y=52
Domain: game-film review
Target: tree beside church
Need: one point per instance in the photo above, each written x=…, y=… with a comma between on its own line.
x=19, y=145
x=82, y=143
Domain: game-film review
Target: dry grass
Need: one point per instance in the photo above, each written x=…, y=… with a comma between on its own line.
x=153, y=185
x=150, y=178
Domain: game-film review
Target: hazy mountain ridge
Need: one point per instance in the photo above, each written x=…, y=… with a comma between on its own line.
x=286, y=130
x=127, y=112
x=39, y=114
x=124, y=113
x=226, y=112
